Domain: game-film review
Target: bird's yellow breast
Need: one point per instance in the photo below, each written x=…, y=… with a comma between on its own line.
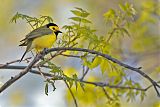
x=42, y=42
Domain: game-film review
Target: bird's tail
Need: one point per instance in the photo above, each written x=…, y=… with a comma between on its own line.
x=23, y=56
x=27, y=49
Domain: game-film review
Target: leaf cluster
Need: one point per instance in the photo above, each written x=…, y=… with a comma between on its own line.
x=32, y=21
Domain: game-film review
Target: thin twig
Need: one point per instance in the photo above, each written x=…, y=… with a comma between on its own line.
x=101, y=84
x=11, y=62
x=107, y=95
x=39, y=69
x=43, y=21
x=29, y=23
x=111, y=34
x=85, y=73
x=87, y=70
x=74, y=98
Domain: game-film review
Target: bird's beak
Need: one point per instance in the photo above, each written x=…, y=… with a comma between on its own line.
x=59, y=31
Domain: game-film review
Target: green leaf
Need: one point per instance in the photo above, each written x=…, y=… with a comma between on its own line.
x=84, y=13
x=86, y=62
x=106, y=49
x=85, y=21
x=53, y=67
x=125, y=31
x=113, y=74
x=79, y=9
x=77, y=19
x=75, y=80
x=75, y=77
x=137, y=85
x=122, y=7
x=128, y=83
x=128, y=8
x=15, y=17
x=54, y=88
x=109, y=14
x=46, y=89
x=82, y=85
x=70, y=83
x=117, y=80
x=103, y=65
x=48, y=18
x=77, y=13
x=80, y=13
x=143, y=94
x=96, y=62
x=66, y=27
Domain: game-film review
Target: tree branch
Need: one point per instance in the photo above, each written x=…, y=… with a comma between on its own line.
x=11, y=62
x=111, y=59
x=22, y=73
x=85, y=73
x=47, y=51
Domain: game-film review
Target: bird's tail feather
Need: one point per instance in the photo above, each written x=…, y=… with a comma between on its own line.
x=23, y=56
x=27, y=49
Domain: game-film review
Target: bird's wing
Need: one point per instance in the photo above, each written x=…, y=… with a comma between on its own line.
x=37, y=33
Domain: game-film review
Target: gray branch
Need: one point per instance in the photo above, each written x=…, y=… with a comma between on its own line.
x=47, y=51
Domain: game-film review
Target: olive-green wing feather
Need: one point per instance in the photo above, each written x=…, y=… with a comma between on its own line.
x=37, y=33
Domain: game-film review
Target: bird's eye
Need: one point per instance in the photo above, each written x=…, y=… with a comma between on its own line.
x=53, y=28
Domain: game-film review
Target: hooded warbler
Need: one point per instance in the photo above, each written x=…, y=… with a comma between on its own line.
x=40, y=38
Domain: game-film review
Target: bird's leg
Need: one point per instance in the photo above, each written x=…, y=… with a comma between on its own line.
x=37, y=52
x=45, y=50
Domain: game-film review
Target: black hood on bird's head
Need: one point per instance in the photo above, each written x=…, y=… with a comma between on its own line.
x=50, y=24
x=53, y=24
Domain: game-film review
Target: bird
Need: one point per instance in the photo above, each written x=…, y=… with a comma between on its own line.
x=40, y=38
